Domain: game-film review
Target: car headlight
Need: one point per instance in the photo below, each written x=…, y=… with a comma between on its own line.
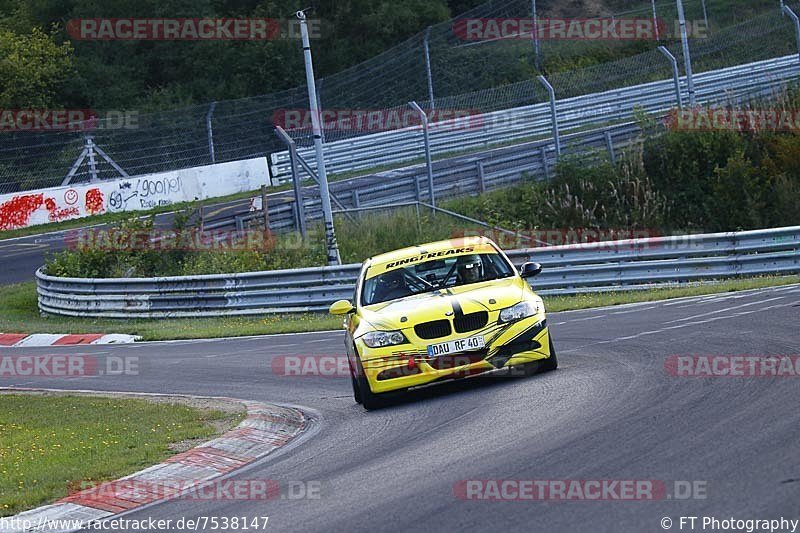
x=379, y=339
x=518, y=312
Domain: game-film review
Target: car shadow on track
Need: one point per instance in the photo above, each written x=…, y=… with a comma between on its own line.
x=466, y=385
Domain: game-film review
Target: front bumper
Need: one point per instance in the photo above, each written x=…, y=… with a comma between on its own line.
x=405, y=366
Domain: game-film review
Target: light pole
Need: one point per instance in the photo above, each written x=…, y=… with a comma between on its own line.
x=330, y=235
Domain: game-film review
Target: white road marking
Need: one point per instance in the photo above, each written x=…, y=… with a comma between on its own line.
x=717, y=311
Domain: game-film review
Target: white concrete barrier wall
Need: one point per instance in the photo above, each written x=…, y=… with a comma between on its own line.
x=43, y=206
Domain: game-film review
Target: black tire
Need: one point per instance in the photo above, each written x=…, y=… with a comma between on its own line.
x=356, y=391
x=369, y=399
x=542, y=365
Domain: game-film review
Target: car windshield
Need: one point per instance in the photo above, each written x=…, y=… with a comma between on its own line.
x=434, y=275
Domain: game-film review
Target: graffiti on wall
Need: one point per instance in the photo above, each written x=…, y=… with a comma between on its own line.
x=146, y=193
x=16, y=212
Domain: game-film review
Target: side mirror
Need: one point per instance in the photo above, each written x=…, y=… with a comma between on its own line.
x=530, y=270
x=342, y=307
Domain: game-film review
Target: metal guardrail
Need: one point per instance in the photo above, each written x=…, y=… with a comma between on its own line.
x=596, y=267
x=458, y=176
x=398, y=146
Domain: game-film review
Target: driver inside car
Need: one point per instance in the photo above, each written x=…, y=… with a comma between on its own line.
x=391, y=285
x=470, y=269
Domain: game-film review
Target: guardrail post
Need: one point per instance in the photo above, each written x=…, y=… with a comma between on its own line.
x=299, y=211
x=428, y=159
x=553, y=113
x=610, y=146
x=210, y=131
x=428, y=70
x=687, y=57
x=417, y=191
x=789, y=11
x=265, y=207
x=676, y=75
x=543, y=154
x=481, y=177
x=357, y=202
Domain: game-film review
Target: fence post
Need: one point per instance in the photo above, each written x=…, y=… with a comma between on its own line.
x=553, y=114
x=481, y=178
x=428, y=159
x=426, y=45
x=610, y=147
x=676, y=75
x=705, y=13
x=210, y=131
x=686, y=54
x=535, y=35
x=789, y=11
x=655, y=19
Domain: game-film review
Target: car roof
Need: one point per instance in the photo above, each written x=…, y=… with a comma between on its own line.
x=458, y=246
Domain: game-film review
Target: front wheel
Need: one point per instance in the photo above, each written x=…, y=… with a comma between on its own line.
x=354, y=383
x=542, y=365
x=363, y=393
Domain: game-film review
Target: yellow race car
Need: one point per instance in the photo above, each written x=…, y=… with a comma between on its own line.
x=439, y=311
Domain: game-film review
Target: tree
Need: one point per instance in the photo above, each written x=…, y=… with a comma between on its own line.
x=32, y=67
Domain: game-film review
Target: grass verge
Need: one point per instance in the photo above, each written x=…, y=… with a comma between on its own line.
x=19, y=314
x=51, y=445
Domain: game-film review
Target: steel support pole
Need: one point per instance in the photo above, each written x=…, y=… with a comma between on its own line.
x=92, y=160
x=553, y=113
x=428, y=69
x=210, y=131
x=789, y=11
x=428, y=158
x=686, y=54
x=676, y=75
x=330, y=234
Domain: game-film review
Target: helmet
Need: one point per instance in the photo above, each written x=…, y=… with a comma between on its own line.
x=391, y=279
x=470, y=268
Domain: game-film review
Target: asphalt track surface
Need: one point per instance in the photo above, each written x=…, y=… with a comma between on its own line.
x=20, y=257
x=611, y=411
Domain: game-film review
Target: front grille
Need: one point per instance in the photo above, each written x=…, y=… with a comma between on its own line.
x=471, y=322
x=433, y=330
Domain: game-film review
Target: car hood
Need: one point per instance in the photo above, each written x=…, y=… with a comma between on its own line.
x=408, y=312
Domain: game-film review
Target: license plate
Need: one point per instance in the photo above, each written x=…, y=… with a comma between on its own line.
x=458, y=346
